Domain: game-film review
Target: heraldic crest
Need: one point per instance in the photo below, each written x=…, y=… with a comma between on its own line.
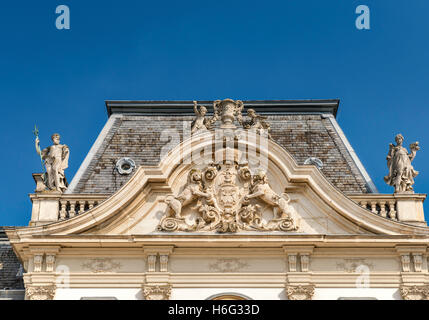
x=228, y=198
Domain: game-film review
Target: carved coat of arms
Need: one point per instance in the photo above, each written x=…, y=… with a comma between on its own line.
x=228, y=199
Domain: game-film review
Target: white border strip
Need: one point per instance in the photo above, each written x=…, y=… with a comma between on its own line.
x=361, y=168
x=92, y=152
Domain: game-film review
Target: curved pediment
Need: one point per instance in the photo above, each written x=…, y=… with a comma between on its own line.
x=236, y=184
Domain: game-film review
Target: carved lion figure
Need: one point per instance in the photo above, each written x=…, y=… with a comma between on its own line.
x=193, y=190
x=261, y=189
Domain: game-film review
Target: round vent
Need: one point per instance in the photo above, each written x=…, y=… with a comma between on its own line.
x=125, y=165
x=315, y=161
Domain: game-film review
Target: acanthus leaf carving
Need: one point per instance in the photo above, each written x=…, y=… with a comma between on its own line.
x=157, y=291
x=40, y=292
x=228, y=199
x=415, y=292
x=300, y=292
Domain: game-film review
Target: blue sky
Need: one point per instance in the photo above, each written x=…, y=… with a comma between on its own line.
x=185, y=50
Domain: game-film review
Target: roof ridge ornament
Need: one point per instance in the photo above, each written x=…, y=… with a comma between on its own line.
x=227, y=111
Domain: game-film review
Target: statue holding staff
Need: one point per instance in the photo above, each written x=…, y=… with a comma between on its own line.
x=56, y=158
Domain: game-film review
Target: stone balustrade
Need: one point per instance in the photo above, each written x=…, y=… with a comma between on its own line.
x=383, y=205
x=405, y=207
x=51, y=207
x=72, y=205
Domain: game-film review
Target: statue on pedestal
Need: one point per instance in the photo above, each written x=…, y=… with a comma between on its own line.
x=56, y=159
x=401, y=172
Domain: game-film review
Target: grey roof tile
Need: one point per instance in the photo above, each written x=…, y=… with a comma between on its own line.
x=138, y=136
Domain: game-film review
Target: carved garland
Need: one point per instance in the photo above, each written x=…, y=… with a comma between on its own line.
x=228, y=199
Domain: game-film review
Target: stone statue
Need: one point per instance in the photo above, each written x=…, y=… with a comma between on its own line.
x=193, y=190
x=56, y=159
x=401, y=172
x=261, y=189
x=200, y=122
x=257, y=122
x=228, y=111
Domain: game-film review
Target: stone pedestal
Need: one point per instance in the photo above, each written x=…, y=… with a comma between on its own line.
x=45, y=208
x=40, y=182
x=409, y=207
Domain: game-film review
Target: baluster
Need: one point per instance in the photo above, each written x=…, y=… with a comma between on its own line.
x=374, y=207
x=81, y=207
x=90, y=205
x=383, y=209
x=392, y=211
x=364, y=204
x=63, y=209
x=72, y=211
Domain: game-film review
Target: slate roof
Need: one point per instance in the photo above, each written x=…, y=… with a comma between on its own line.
x=305, y=128
x=10, y=267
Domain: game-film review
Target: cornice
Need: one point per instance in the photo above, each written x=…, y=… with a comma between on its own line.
x=171, y=108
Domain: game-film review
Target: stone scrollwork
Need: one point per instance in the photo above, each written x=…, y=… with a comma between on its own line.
x=405, y=261
x=40, y=292
x=228, y=265
x=415, y=292
x=401, y=172
x=37, y=262
x=100, y=265
x=50, y=262
x=157, y=292
x=300, y=292
x=228, y=199
x=228, y=111
x=418, y=262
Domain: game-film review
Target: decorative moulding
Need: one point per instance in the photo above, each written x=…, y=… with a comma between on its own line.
x=415, y=292
x=157, y=291
x=144, y=177
x=300, y=292
x=39, y=292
